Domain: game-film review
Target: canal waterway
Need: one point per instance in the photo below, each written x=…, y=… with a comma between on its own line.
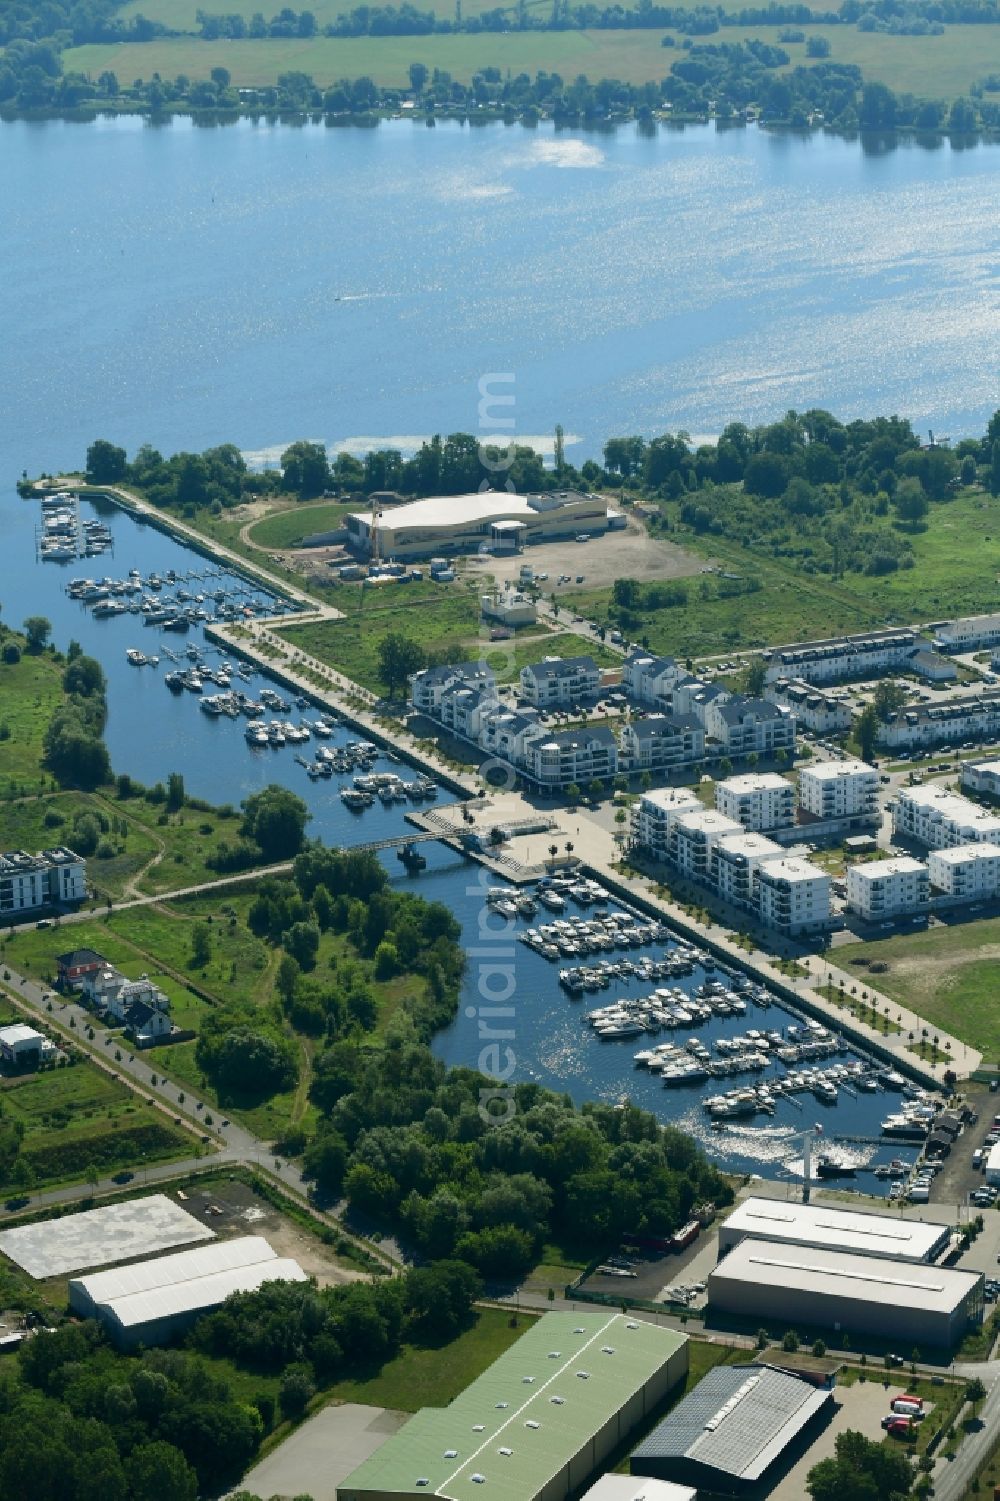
x=152, y=731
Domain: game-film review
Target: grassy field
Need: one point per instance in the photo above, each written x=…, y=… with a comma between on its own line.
x=77, y=1116
x=157, y=941
x=443, y=621
x=146, y=854
x=957, y=561
x=287, y=528
x=947, y=975
x=423, y=1376
x=941, y=67
x=29, y=692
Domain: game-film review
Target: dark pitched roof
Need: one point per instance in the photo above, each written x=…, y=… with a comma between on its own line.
x=740, y=710
x=75, y=957
x=657, y=726
x=562, y=667
x=583, y=737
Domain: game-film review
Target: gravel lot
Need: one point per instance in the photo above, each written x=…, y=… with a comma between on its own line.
x=629, y=554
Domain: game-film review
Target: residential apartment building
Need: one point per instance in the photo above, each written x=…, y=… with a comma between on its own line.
x=559, y=682
x=555, y=762
x=693, y=837
x=736, y=859
x=982, y=776
x=429, y=685
x=701, y=698
x=793, y=896
x=462, y=708
x=504, y=732
x=743, y=726
x=885, y=889
x=662, y=743
x=29, y=883
x=940, y=819
x=653, y=817
x=650, y=680
x=970, y=872
x=973, y=717
x=758, y=800
x=839, y=789
x=841, y=658
x=972, y=633
x=812, y=706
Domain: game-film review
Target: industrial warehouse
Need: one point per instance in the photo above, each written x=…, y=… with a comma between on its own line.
x=740, y=1427
x=809, y=1288
x=491, y=519
x=97, y=1237
x=538, y=1423
x=833, y=1230
x=151, y=1302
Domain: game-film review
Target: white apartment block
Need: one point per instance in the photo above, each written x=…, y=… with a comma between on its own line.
x=885, y=889
x=654, y=814
x=55, y=877
x=556, y=762
x=693, y=838
x=649, y=679
x=560, y=681
x=662, y=742
x=968, y=634
x=983, y=776
x=940, y=819
x=736, y=859
x=839, y=789
x=967, y=871
x=814, y=708
x=462, y=709
x=744, y=726
x=428, y=686
x=842, y=657
x=974, y=717
x=758, y=800
x=793, y=896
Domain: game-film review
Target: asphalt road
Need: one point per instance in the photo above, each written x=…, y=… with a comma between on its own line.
x=225, y=1141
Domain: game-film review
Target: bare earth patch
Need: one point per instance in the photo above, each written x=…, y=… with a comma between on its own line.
x=629, y=554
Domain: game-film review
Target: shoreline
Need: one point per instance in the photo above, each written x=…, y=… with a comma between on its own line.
x=93, y=111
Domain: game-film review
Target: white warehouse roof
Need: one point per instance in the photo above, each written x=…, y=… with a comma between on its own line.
x=137, y=1310
x=834, y=1229
x=826, y=1273
x=85, y=1293
x=97, y=1237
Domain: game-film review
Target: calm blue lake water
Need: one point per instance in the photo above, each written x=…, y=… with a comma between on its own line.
x=256, y=284
x=259, y=283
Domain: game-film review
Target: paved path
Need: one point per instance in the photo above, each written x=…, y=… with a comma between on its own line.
x=221, y=1142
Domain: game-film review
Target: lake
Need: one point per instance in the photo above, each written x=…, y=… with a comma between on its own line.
x=256, y=283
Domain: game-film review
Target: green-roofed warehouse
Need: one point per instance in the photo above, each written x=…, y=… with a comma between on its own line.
x=538, y=1422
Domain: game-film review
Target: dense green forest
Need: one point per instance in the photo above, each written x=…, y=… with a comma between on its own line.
x=414, y=1149
x=80, y=1422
